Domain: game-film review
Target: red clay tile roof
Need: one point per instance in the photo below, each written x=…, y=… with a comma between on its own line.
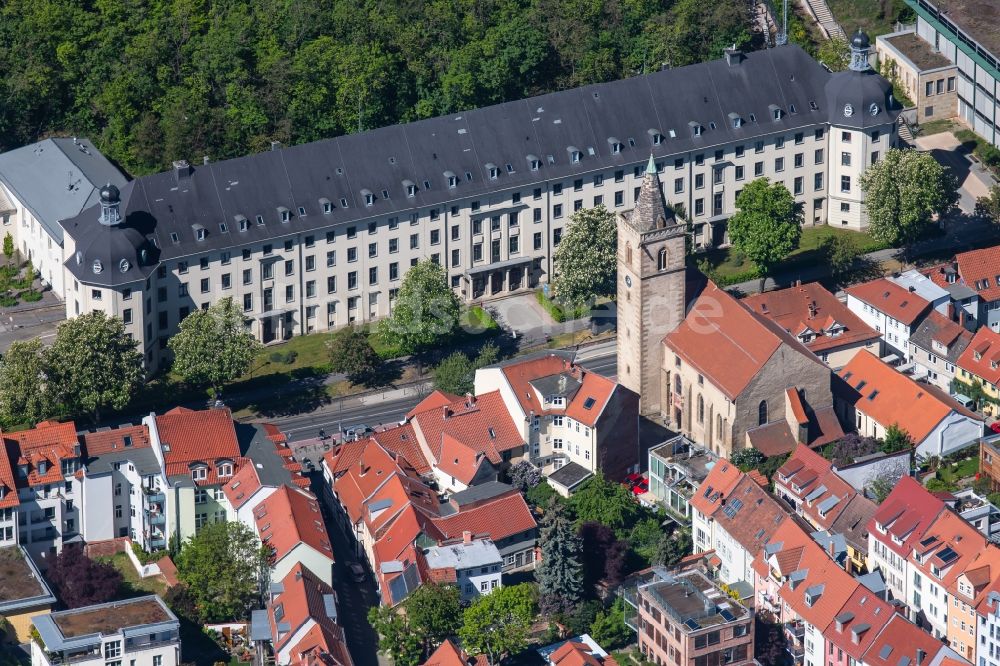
x=901, y=638
x=110, y=441
x=596, y=391
x=790, y=309
x=288, y=517
x=750, y=515
x=776, y=438
x=948, y=530
x=497, y=519
x=573, y=653
x=980, y=270
x=403, y=441
x=49, y=441
x=861, y=609
x=519, y=375
x=206, y=435
x=906, y=513
x=815, y=479
x=719, y=481
x=372, y=466
x=243, y=485
x=482, y=423
x=398, y=492
x=448, y=654
x=436, y=400
x=982, y=356
x=301, y=601
x=7, y=480
x=890, y=397
x=726, y=342
x=795, y=402
x=827, y=584
x=458, y=460
x=888, y=297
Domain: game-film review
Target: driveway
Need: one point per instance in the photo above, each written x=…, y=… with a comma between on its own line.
x=973, y=180
x=531, y=324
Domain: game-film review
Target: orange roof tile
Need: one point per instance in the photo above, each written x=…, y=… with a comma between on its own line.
x=749, y=514
x=50, y=442
x=790, y=309
x=372, y=466
x=795, y=402
x=458, y=460
x=500, y=518
x=980, y=270
x=856, y=625
x=950, y=544
x=890, y=397
x=888, y=297
x=243, y=485
x=290, y=516
x=7, y=480
x=726, y=342
x=520, y=375
x=300, y=601
x=590, y=401
x=898, y=638
x=482, y=423
x=720, y=480
x=109, y=441
x=906, y=514
x=573, y=653
x=824, y=590
x=982, y=356
x=448, y=654
x=205, y=435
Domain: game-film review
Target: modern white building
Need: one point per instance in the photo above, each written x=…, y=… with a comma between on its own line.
x=317, y=236
x=134, y=631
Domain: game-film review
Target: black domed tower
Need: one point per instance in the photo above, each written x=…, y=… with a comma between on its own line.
x=860, y=46
x=110, y=206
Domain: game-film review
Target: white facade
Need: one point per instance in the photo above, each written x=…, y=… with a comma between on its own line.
x=320, y=564
x=988, y=631
x=477, y=565
x=737, y=562
x=895, y=334
x=894, y=568
x=34, y=242
x=47, y=516
x=929, y=600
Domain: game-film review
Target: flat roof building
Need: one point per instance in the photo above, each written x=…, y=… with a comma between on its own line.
x=24, y=594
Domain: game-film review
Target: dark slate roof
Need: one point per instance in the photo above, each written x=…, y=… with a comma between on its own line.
x=144, y=460
x=480, y=492
x=937, y=326
x=570, y=475
x=255, y=445
x=547, y=127
x=865, y=92
x=57, y=178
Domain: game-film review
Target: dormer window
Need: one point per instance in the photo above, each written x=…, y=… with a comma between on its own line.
x=286, y=215
x=657, y=139
x=199, y=473
x=200, y=233
x=243, y=223
x=510, y=168
x=327, y=206
x=696, y=128
x=616, y=146
x=302, y=211
x=735, y=120
x=410, y=187
x=369, y=197
x=494, y=172
x=22, y=471
x=343, y=202
x=534, y=163
x=43, y=466
x=452, y=179
x=775, y=112
x=260, y=220
x=225, y=469
x=574, y=155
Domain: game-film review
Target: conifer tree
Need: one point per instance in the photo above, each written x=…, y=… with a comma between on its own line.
x=560, y=574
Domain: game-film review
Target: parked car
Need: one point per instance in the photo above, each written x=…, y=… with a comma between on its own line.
x=357, y=572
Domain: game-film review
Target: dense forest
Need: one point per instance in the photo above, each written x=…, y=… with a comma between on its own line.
x=150, y=81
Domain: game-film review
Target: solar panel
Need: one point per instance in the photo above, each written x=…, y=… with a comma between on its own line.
x=884, y=652
x=947, y=555
x=691, y=624
x=726, y=615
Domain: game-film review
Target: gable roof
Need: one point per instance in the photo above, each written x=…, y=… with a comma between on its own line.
x=749, y=514
x=937, y=328
x=573, y=653
x=980, y=270
x=49, y=442
x=905, y=514
x=982, y=354
x=950, y=544
x=900, y=638
x=856, y=625
x=304, y=599
x=889, y=397
x=460, y=461
x=811, y=306
x=499, y=518
x=205, y=435
x=448, y=654
x=721, y=478
x=435, y=400
x=888, y=297
x=290, y=516
x=481, y=423
x=726, y=342
x=113, y=440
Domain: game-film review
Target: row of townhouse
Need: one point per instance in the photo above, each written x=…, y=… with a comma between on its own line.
x=409, y=535
x=153, y=483
x=789, y=559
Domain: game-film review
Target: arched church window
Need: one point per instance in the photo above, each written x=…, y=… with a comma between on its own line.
x=661, y=259
x=762, y=413
x=628, y=253
x=701, y=409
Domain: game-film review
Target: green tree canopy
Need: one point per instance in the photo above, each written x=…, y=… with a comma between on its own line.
x=456, y=373
x=497, y=624
x=586, y=259
x=560, y=573
x=834, y=53
x=213, y=346
x=767, y=225
x=223, y=565
x=8, y=246
x=93, y=365
x=988, y=206
x=426, y=310
x=410, y=632
x=601, y=501
x=903, y=191
x=24, y=393
x=840, y=253
x=609, y=629
x=352, y=354
x=396, y=639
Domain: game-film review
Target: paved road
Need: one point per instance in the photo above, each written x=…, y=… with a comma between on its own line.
x=391, y=406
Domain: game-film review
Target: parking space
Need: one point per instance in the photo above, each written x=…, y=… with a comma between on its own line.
x=26, y=323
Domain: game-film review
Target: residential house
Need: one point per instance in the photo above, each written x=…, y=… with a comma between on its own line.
x=735, y=379
x=449, y=654
x=140, y=630
x=467, y=440
x=580, y=650
x=290, y=524
x=302, y=623
x=199, y=453
x=923, y=286
x=890, y=309
x=684, y=618
x=988, y=625
x=902, y=642
x=979, y=366
x=895, y=530
x=874, y=397
x=472, y=565
x=819, y=320
x=935, y=347
x=721, y=479
x=46, y=460
x=119, y=488
x=855, y=627
x=566, y=414
x=677, y=469
x=24, y=594
x=972, y=279
x=9, y=499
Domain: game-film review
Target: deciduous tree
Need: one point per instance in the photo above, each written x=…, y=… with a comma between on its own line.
x=352, y=354
x=426, y=310
x=456, y=373
x=24, y=391
x=396, y=639
x=839, y=252
x=903, y=192
x=674, y=546
x=93, y=365
x=224, y=566
x=214, y=346
x=605, y=502
x=81, y=581
x=410, y=633
x=609, y=629
x=586, y=258
x=767, y=225
x=988, y=206
x=834, y=53
x=497, y=624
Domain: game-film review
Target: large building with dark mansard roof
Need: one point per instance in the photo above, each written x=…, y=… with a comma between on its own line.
x=317, y=236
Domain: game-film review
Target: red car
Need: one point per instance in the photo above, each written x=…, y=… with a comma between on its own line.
x=633, y=477
x=995, y=427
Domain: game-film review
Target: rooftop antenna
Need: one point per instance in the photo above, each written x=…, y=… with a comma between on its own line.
x=782, y=37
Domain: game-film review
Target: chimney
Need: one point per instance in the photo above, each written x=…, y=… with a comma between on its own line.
x=812, y=309
x=961, y=317
x=204, y=159
x=470, y=399
x=912, y=289
x=275, y=145
x=733, y=56
x=951, y=311
x=921, y=655
x=445, y=412
x=466, y=537
x=298, y=574
x=182, y=170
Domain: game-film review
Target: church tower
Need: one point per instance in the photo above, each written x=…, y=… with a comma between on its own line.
x=651, y=290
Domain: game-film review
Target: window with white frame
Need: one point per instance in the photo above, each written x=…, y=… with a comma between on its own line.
x=199, y=473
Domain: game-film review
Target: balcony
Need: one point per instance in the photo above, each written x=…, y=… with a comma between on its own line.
x=157, y=519
x=794, y=631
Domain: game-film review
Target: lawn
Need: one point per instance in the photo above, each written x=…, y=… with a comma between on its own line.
x=960, y=470
x=728, y=266
x=134, y=586
x=868, y=15
x=14, y=287
x=939, y=126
